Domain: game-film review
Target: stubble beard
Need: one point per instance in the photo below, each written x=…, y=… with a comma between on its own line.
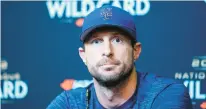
x=114, y=80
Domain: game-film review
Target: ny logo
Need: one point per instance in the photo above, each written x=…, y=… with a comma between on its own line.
x=106, y=13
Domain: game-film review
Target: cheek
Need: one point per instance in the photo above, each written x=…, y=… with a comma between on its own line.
x=92, y=56
x=124, y=54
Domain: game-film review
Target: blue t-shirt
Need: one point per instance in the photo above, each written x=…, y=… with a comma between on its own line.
x=129, y=104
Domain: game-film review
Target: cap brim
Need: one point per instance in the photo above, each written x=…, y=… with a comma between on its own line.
x=89, y=30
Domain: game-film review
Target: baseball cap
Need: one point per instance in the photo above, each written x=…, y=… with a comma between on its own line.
x=108, y=16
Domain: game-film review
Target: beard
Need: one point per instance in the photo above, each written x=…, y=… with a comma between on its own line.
x=114, y=80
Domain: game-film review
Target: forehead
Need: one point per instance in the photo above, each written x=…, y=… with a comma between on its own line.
x=107, y=30
x=105, y=33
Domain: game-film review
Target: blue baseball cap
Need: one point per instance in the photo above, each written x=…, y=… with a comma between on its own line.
x=108, y=16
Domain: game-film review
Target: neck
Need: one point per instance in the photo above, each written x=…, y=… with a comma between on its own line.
x=116, y=96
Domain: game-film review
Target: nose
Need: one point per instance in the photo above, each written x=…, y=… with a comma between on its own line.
x=107, y=49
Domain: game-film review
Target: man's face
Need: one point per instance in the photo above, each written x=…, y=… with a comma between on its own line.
x=108, y=55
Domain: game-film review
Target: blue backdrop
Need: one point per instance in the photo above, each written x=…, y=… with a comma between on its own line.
x=43, y=51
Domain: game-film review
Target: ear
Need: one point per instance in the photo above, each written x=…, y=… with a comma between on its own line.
x=82, y=54
x=137, y=50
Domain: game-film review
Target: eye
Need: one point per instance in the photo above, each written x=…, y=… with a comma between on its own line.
x=96, y=41
x=117, y=40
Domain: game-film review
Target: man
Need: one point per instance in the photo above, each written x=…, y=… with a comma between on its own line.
x=110, y=50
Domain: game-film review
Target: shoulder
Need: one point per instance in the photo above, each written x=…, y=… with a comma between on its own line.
x=175, y=96
x=160, y=83
x=151, y=78
x=164, y=84
x=167, y=92
x=68, y=99
x=169, y=84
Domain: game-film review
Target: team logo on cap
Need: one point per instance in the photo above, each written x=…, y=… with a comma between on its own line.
x=106, y=13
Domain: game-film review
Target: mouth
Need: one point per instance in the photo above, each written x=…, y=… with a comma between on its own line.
x=108, y=65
